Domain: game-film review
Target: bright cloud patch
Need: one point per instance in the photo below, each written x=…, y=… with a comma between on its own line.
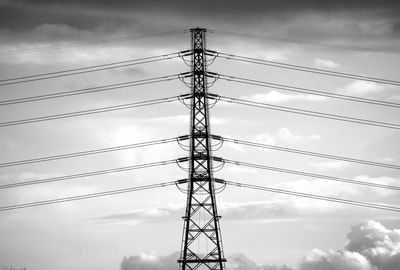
x=379, y=245
x=265, y=138
x=335, y=260
x=278, y=97
x=330, y=165
x=241, y=262
x=361, y=88
x=326, y=63
x=370, y=246
x=395, y=98
x=287, y=136
x=150, y=261
x=273, y=56
x=138, y=215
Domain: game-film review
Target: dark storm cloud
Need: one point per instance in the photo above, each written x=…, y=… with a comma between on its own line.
x=20, y=15
x=396, y=27
x=211, y=6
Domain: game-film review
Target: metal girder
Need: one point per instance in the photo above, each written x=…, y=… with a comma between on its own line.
x=201, y=243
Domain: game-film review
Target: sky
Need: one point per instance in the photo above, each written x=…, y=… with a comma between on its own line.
x=143, y=230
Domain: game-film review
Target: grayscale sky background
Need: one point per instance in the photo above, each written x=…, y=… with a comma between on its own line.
x=259, y=229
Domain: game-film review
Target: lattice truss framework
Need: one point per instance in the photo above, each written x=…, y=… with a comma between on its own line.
x=201, y=244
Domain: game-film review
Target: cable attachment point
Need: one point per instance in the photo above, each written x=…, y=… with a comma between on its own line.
x=214, y=56
x=218, y=145
x=215, y=99
x=185, y=75
x=214, y=76
x=180, y=160
x=220, y=166
x=182, y=99
x=214, y=102
x=184, y=54
x=220, y=188
x=180, y=182
x=213, y=96
x=183, y=138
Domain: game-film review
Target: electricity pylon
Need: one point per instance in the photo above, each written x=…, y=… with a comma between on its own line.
x=201, y=243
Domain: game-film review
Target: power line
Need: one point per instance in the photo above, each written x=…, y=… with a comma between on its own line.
x=91, y=67
x=309, y=153
x=302, y=90
x=316, y=197
x=87, y=174
x=76, y=71
x=90, y=90
x=94, y=42
x=86, y=196
x=303, y=68
x=91, y=152
x=165, y=184
x=313, y=175
x=305, y=112
x=303, y=42
x=93, y=111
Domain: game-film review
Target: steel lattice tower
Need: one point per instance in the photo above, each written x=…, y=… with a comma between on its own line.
x=201, y=243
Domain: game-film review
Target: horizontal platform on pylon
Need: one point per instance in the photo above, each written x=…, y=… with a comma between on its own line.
x=202, y=261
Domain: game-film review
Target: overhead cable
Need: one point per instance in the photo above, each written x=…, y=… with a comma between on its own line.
x=303, y=90
x=92, y=111
x=89, y=90
x=309, y=153
x=303, y=68
x=90, y=152
x=76, y=71
x=303, y=42
x=94, y=42
x=87, y=174
x=316, y=197
x=85, y=196
x=305, y=112
x=313, y=175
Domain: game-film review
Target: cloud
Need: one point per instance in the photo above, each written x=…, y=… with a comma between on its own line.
x=395, y=97
x=262, y=210
x=26, y=176
x=241, y=262
x=330, y=165
x=381, y=179
x=370, y=246
x=381, y=246
x=335, y=260
x=278, y=97
x=152, y=15
x=287, y=136
x=326, y=63
x=150, y=261
x=277, y=208
x=239, y=170
x=273, y=56
x=361, y=88
x=320, y=186
x=265, y=139
x=139, y=215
